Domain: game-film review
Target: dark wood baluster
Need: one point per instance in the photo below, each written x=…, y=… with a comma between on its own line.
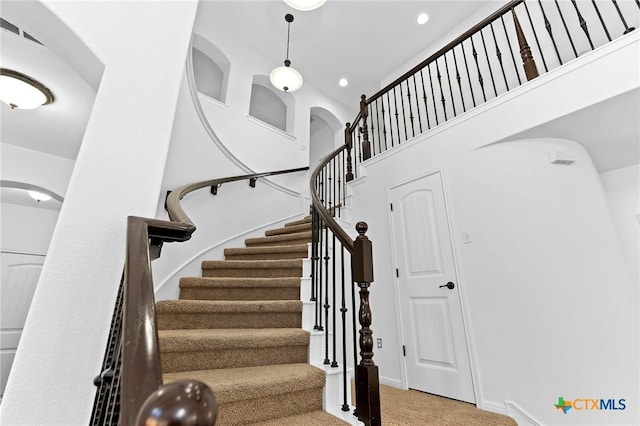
x=442, y=99
x=604, y=26
x=535, y=35
x=368, y=398
x=384, y=124
x=339, y=175
x=486, y=54
x=513, y=58
x=364, y=113
x=547, y=25
x=349, y=142
x=334, y=363
x=433, y=96
x=404, y=115
x=583, y=23
x=354, y=332
x=530, y=69
x=424, y=98
x=314, y=256
x=326, y=259
x=499, y=56
x=390, y=119
x=413, y=130
x=397, y=114
x=343, y=311
x=378, y=125
x=358, y=147
x=415, y=91
x=564, y=23
x=320, y=270
x=466, y=66
x=627, y=29
x=453, y=103
x=458, y=78
x=475, y=58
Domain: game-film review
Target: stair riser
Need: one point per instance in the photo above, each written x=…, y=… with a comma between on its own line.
x=267, y=408
x=230, y=320
x=228, y=293
x=267, y=256
x=252, y=273
x=306, y=220
x=173, y=362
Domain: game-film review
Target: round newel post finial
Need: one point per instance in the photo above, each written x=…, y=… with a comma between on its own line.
x=184, y=402
x=362, y=228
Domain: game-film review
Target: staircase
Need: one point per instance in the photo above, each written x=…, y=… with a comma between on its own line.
x=238, y=329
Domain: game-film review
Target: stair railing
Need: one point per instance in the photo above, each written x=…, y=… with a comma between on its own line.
x=501, y=52
x=129, y=388
x=333, y=278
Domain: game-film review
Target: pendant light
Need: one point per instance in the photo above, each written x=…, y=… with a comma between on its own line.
x=286, y=78
x=20, y=91
x=305, y=5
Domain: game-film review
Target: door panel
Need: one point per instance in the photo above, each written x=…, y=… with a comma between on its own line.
x=20, y=274
x=437, y=359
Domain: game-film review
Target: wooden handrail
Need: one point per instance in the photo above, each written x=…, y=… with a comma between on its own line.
x=141, y=373
x=480, y=25
x=340, y=233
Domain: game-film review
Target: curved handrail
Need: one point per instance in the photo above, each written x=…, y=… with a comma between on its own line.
x=140, y=371
x=340, y=233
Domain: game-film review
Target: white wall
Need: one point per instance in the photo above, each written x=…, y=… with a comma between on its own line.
x=26, y=229
x=118, y=173
x=550, y=308
x=622, y=187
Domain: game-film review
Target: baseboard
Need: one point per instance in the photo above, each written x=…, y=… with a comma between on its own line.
x=494, y=407
x=391, y=382
x=519, y=415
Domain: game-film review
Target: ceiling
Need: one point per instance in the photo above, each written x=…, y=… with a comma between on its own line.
x=363, y=41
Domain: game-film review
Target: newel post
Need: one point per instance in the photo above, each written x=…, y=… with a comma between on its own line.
x=349, y=143
x=364, y=113
x=367, y=383
x=529, y=64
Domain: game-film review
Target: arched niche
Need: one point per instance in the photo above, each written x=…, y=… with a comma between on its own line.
x=210, y=68
x=324, y=134
x=270, y=105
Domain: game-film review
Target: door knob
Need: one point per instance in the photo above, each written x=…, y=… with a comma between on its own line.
x=449, y=285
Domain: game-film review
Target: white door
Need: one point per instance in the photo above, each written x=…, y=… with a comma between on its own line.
x=20, y=273
x=436, y=356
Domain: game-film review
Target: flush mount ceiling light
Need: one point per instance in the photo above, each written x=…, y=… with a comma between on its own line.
x=305, y=5
x=422, y=18
x=20, y=91
x=39, y=196
x=343, y=82
x=286, y=78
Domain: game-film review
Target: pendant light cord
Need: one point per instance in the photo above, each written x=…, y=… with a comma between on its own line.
x=288, y=34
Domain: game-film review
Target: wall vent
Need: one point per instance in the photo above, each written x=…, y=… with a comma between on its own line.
x=6, y=25
x=561, y=157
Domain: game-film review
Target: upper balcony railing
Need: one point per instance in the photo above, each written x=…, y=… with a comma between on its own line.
x=518, y=42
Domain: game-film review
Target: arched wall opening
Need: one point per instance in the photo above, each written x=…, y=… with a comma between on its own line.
x=270, y=105
x=211, y=68
x=324, y=135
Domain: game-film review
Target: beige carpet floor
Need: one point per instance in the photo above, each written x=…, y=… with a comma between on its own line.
x=413, y=408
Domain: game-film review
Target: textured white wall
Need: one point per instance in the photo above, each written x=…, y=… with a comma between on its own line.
x=622, y=187
x=118, y=173
x=26, y=229
x=550, y=308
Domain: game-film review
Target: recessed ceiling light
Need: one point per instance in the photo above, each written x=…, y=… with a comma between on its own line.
x=305, y=4
x=343, y=82
x=39, y=196
x=422, y=18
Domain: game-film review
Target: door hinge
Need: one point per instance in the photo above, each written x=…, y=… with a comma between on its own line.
x=397, y=273
x=404, y=350
x=391, y=204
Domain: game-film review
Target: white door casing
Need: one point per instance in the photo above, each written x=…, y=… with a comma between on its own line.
x=437, y=357
x=20, y=274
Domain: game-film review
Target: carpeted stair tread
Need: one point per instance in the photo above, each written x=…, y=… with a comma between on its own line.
x=294, y=251
x=312, y=418
x=225, y=288
x=252, y=268
x=306, y=219
x=235, y=384
x=212, y=339
x=211, y=306
x=275, y=240
x=304, y=227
